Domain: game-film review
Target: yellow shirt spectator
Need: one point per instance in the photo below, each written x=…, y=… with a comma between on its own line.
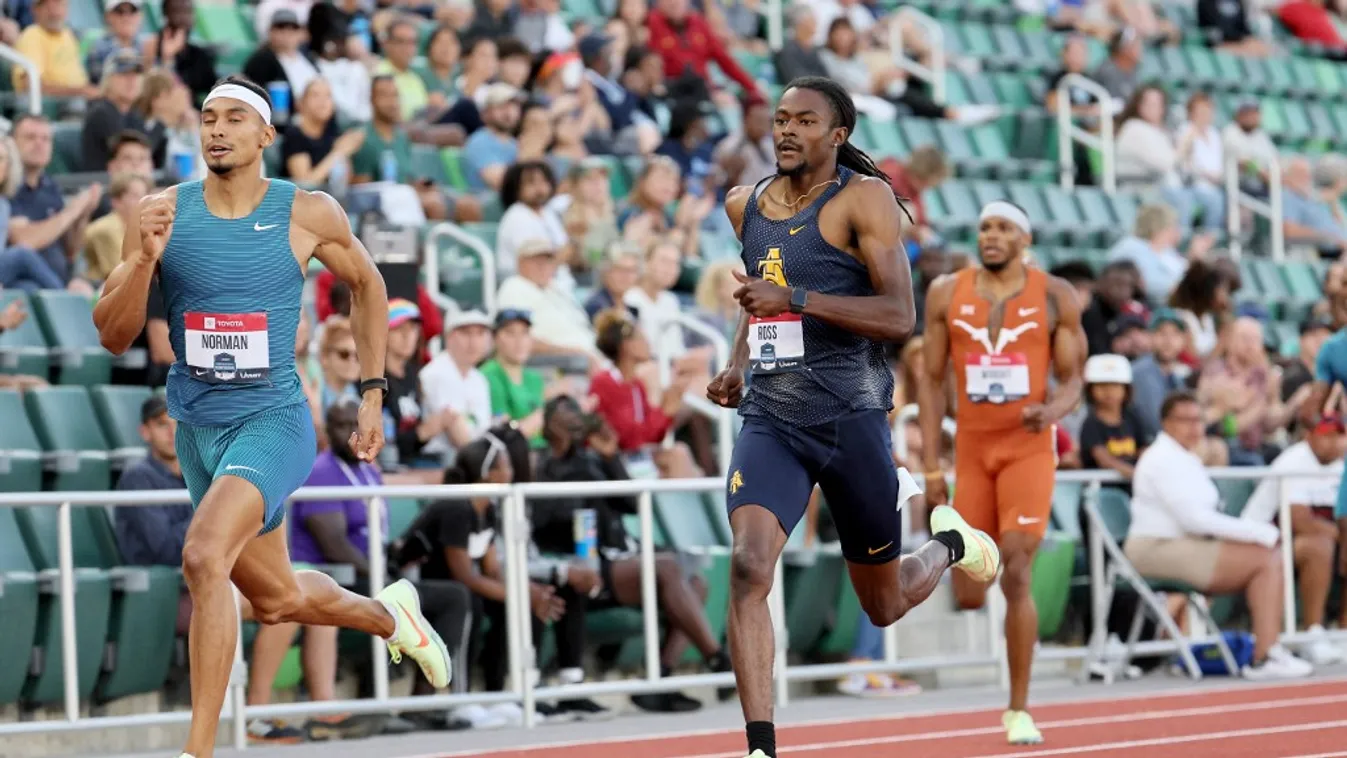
x=56, y=55
x=103, y=246
x=412, y=92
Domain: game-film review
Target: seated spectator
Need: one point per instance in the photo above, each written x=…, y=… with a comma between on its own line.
x=333, y=297
x=1159, y=372
x=313, y=148
x=264, y=17
x=1298, y=375
x=570, y=128
x=408, y=426
x=1153, y=248
x=799, y=55
x=924, y=170
x=517, y=391
x=385, y=155
x=122, y=19
x=1200, y=298
x=400, y=41
x=525, y=191
x=1309, y=218
x=656, y=307
x=53, y=48
x=103, y=238
x=633, y=132
x=281, y=60
x=1075, y=58
x=715, y=297
x=646, y=213
x=165, y=106
x=624, y=396
x=587, y=213
x=1245, y=140
x=458, y=541
x=1241, y=392
x=1314, y=532
x=12, y=316
x=539, y=25
x=490, y=150
x=1112, y=436
x=1112, y=298
x=1225, y=24
x=453, y=388
x=688, y=143
x=687, y=44
x=748, y=156
x=42, y=220
x=153, y=535
x=1311, y=21
x=20, y=267
x=1120, y=72
x=581, y=449
x=1179, y=533
x=1148, y=159
x=349, y=78
x=440, y=72
x=632, y=15
x=618, y=274
x=560, y=327
x=337, y=357
x=173, y=48
x=1201, y=155
x=112, y=113
x=479, y=68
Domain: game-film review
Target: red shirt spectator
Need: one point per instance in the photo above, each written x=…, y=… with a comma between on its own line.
x=1309, y=21
x=626, y=408
x=432, y=321
x=684, y=39
x=905, y=188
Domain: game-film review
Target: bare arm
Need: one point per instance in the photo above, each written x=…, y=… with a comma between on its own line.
x=41, y=234
x=329, y=531
x=318, y=215
x=1067, y=351
x=931, y=394
x=120, y=312
x=889, y=314
x=460, y=565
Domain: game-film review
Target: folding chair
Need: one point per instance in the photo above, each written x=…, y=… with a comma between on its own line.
x=1110, y=517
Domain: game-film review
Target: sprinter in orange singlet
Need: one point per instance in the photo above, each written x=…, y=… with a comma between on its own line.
x=1001, y=328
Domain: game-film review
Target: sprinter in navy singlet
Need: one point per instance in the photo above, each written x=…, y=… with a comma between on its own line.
x=230, y=253
x=828, y=283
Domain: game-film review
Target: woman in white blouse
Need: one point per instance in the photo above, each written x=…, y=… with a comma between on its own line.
x=1180, y=533
x=1148, y=158
x=1202, y=298
x=1202, y=159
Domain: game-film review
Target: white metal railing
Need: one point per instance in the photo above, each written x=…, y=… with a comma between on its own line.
x=933, y=74
x=1068, y=133
x=515, y=534
x=31, y=73
x=430, y=263
x=694, y=398
x=1236, y=201
x=776, y=22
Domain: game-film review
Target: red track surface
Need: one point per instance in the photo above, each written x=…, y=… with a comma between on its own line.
x=1303, y=721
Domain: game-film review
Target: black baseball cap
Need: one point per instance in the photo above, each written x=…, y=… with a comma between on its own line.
x=508, y=316
x=153, y=407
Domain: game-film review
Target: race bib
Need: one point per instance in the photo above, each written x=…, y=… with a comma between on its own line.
x=996, y=378
x=225, y=348
x=776, y=344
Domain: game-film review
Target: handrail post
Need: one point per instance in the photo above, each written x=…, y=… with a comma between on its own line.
x=1275, y=212
x=776, y=22
x=430, y=263
x=1287, y=556
x=645, y=511
x=935, y=35
x=1068, y=133
x=238, y=680
x=378, y=571
x=1270, y=210
x=31, y=74
x=517, y=613
x=1233, y=219
x=66, y=562
x=776, y=604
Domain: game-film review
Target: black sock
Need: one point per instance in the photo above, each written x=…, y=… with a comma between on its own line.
x=952, y=540
x=719, y=661
x=761, y=736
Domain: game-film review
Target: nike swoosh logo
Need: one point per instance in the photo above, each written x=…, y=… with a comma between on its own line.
x=797, y=230
x=1027, y=521
x=232, y=467
x=415, y=626
x=880, y=549
x=1027, y=312
x=257, y=227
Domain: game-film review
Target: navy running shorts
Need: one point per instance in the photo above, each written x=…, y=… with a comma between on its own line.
x=273, y=449
x=851, y=459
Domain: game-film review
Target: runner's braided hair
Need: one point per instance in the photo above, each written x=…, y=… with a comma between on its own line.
x=844, y=115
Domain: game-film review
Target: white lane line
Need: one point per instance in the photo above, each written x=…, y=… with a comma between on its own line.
x=1177, y=740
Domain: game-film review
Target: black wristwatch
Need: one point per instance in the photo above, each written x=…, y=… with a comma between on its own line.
x=380, y=384
x=799, y=296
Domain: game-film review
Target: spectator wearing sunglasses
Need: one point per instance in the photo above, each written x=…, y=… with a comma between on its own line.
x=336, y=357
x=517, y=391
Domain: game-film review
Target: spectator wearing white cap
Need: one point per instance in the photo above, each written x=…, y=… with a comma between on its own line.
x=1179, y=532
x=560, y=326
x=1112, y=436
x=451, y=380
x=1314, y=533
x=122, y=31
x=491, y=149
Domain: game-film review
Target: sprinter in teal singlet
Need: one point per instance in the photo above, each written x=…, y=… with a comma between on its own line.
x=230, y=253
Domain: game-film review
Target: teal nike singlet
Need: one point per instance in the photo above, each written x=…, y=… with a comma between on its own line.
x=232, y=290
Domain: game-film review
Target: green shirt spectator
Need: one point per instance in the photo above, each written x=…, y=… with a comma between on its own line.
x=367, y=163
x=517, y=401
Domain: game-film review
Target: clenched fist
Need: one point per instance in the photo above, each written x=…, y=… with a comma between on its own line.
x=156, y=224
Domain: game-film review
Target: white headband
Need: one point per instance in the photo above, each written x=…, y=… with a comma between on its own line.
x=243, y=94
x=1007, y=211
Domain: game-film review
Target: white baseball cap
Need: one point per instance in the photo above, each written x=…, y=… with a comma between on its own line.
x=1108, y=368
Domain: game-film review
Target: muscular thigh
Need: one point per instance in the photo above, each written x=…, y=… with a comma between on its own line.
x=860, y=484
x=225, y=520
x=263, y=568
x=1025, y=467
x=771, y=467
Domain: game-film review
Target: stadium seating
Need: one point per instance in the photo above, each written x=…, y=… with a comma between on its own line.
x=67, y=323
x=23, y=349
x=76, y=450
x=19, y=607
x=118, y=411
x=20, y=452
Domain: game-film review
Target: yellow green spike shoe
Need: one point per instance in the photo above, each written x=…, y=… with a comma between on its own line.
x=415, y=637
x=1020, y=729
x=981, y=558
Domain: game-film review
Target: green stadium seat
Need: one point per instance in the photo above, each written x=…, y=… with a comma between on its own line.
x=1029, y=197
x=1201, y=66
x=427, y=164
x=961, y=207
x=1050, y=585
x=401, y=513
x=887, y=140
x=1235, y=494
x=76, y=450
x=85, y=15
x=220, y=22
x=118, y=411
x=841, y=637
x=959, y=149
x=67, y=324
x=1013, y=91
x=810, y=594
x=1327, y=81
x=683, y=517
x=20, y=451
x=1287, y=336
x=23, y=349
x=19, y=605
x=975, y=41
x=66, y=153
x=718, y=514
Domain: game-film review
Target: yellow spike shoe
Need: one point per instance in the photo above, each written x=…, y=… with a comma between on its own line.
x=1020, y=729
x=981, y=557
x=415, y=636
